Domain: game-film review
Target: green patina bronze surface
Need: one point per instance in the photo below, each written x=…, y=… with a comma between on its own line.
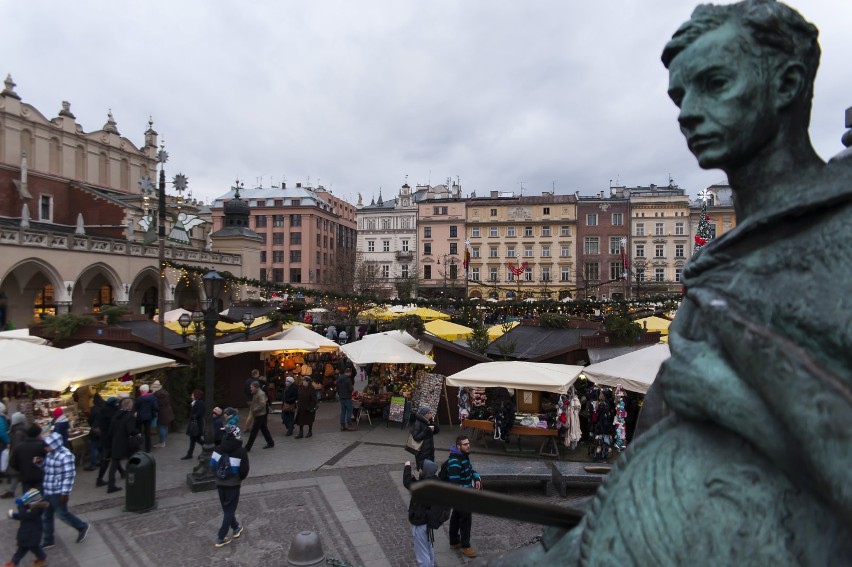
x=745, y=450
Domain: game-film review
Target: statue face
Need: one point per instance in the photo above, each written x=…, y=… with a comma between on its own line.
x=727, y=114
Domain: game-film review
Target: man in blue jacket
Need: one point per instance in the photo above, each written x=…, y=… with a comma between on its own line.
x=461, y=472
x=147, y=408
x=229, y=477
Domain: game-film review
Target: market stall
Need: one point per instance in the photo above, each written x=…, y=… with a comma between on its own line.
x=634, y=371
x=22, y=335
x=447, y=330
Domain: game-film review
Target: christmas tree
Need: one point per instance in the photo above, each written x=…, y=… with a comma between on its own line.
x=703, y=236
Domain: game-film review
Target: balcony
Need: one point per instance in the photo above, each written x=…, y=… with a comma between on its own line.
x=404, y=255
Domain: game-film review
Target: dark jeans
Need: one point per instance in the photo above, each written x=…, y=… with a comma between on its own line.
x=259, y=425
x=229, y=498
x=288, y=418
x=115, y=465
x=145, y=429
x=192, y=442
x=460, y=523
x=61, y=510
x=345, y=411
x=22, y=551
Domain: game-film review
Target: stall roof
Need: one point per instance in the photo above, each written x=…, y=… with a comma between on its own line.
x=22, y=335
x=634, y=371
x=448, y=330
x=383, y=350
x=298, y=333
x=536, y=342
x=281, y=345
x=518, y=374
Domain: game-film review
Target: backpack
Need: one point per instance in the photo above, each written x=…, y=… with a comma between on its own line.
x=437, y=515
x=443, y=473
x=223, y=467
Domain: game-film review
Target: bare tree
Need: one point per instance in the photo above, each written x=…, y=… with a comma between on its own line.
x=367, y=278
x=341, y=277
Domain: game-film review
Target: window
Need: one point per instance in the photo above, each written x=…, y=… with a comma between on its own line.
x=260, y=221
x=474, y=251
x=474, y=232
x=371, y=246
x=510, y=231
x=640, y=250
x=492, y=275
x=319, y=240
x=277, y=238
x=510, y=277
x=678, y=274
x=528, y=274
x=427, y=272
x=427, y=232
x=614, y=245
x=528, y=231
x=616, y=270
x=262, y=257
x=712, y=230
x=492, y=251
x=592, y=271
x=659, y=251
x=295, y=238
x=545, y=231
x=545, y=211
x=296, y=202
x=659, y=274
x=263, y=274
x=385, y=245
x=640, y=275
x=545, y=251
x=295, y=255
x=474, y=274
x=403, y=245
x=565, y=251
x=385, y=271
x=565, y=274
x=454, y=271
x=278, y=275
x=404, y=271
x=278, y=220
x=591, y=245
x=640, y=229
x=493, y=212
x=592, y=219
x=679, y=229
x=617, y=219
x=296, y=220
x=454, y=231
x=439, y=210
x=295, y=275
x=427, y=248
x=46, y=208
x=319, y=257
x=564, y=230
x=679, y=251
x=277, y=255
x=454, y=248
x=659, y=229
x=492, y=232
x=528, y=250
x=510, y=251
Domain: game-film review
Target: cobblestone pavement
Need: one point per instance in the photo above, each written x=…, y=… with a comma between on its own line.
x=352, y=497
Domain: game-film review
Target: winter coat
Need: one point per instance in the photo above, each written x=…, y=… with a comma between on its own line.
x=196, y=413
x=218, y=427
x=21, y=459
x=61, y=425
x=122, y=427
x=165, y=415
x=104, y=423
x=416, y=511
x=345, y=387
x=239, y=460
x=94, y=423
x=258, y=405
x=146, y=407
x=306, y=407
x=17, y=435
x=421, y=432
x=291, y=393
x=31, y=529
x=459, y=469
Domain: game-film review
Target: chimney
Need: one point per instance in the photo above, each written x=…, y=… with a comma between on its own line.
x=283, y=185
x=298, y=185
x=494, y=194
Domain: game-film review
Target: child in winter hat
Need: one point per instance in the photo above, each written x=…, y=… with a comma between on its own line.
x=31, y=507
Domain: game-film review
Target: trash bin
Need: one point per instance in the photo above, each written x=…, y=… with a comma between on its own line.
x=141, y=483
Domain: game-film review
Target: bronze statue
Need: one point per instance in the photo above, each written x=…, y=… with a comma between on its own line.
x=746, y=446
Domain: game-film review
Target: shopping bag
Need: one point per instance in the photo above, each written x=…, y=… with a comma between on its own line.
x=412, y=446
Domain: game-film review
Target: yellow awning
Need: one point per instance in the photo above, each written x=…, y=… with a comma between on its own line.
x=655, y=324
x=428, y=314
x=448, y=331
x=496, y=331
x=377, y=314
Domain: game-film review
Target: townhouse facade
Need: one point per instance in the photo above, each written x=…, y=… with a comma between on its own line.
x=440, y=241
x=603, y=230
x=720, y=210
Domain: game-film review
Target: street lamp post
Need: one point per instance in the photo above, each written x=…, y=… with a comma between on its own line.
x=248, y=319
x=202, y=478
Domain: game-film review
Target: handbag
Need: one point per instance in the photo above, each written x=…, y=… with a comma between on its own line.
x=134, y=442
x=413, y=446
x=288, y=407
x=192, y=429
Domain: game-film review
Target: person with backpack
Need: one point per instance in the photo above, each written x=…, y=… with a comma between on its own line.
x=460, y=471
x=424, y=518
x=423, y=429
x=230, y=464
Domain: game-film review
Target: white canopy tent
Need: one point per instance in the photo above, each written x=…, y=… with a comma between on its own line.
x=634, y=371
x=173, y=315
x=384, y=350
x=403, y=337
x=304, y=334
x=231, y=349
x=22, y=335
x=13, y=353
x=517, y=374
x=80, y=365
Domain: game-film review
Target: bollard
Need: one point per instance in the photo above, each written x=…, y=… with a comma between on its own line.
x=306, y=549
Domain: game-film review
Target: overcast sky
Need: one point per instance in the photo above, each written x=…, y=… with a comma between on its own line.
x=355, y=95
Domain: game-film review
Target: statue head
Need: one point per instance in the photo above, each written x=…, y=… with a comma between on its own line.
x=741, y=74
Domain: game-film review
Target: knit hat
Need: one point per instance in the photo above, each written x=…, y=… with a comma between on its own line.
x=156, y=386
x=31, y=496
x=57, y=412
x=112, y=400
x=217, y=411
x=429, y=469
x=233, y=431
x=33, y=431
x=424, y=410
x=229, y=411
x=289, y=380
x=17, y=418
x=144, y=388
